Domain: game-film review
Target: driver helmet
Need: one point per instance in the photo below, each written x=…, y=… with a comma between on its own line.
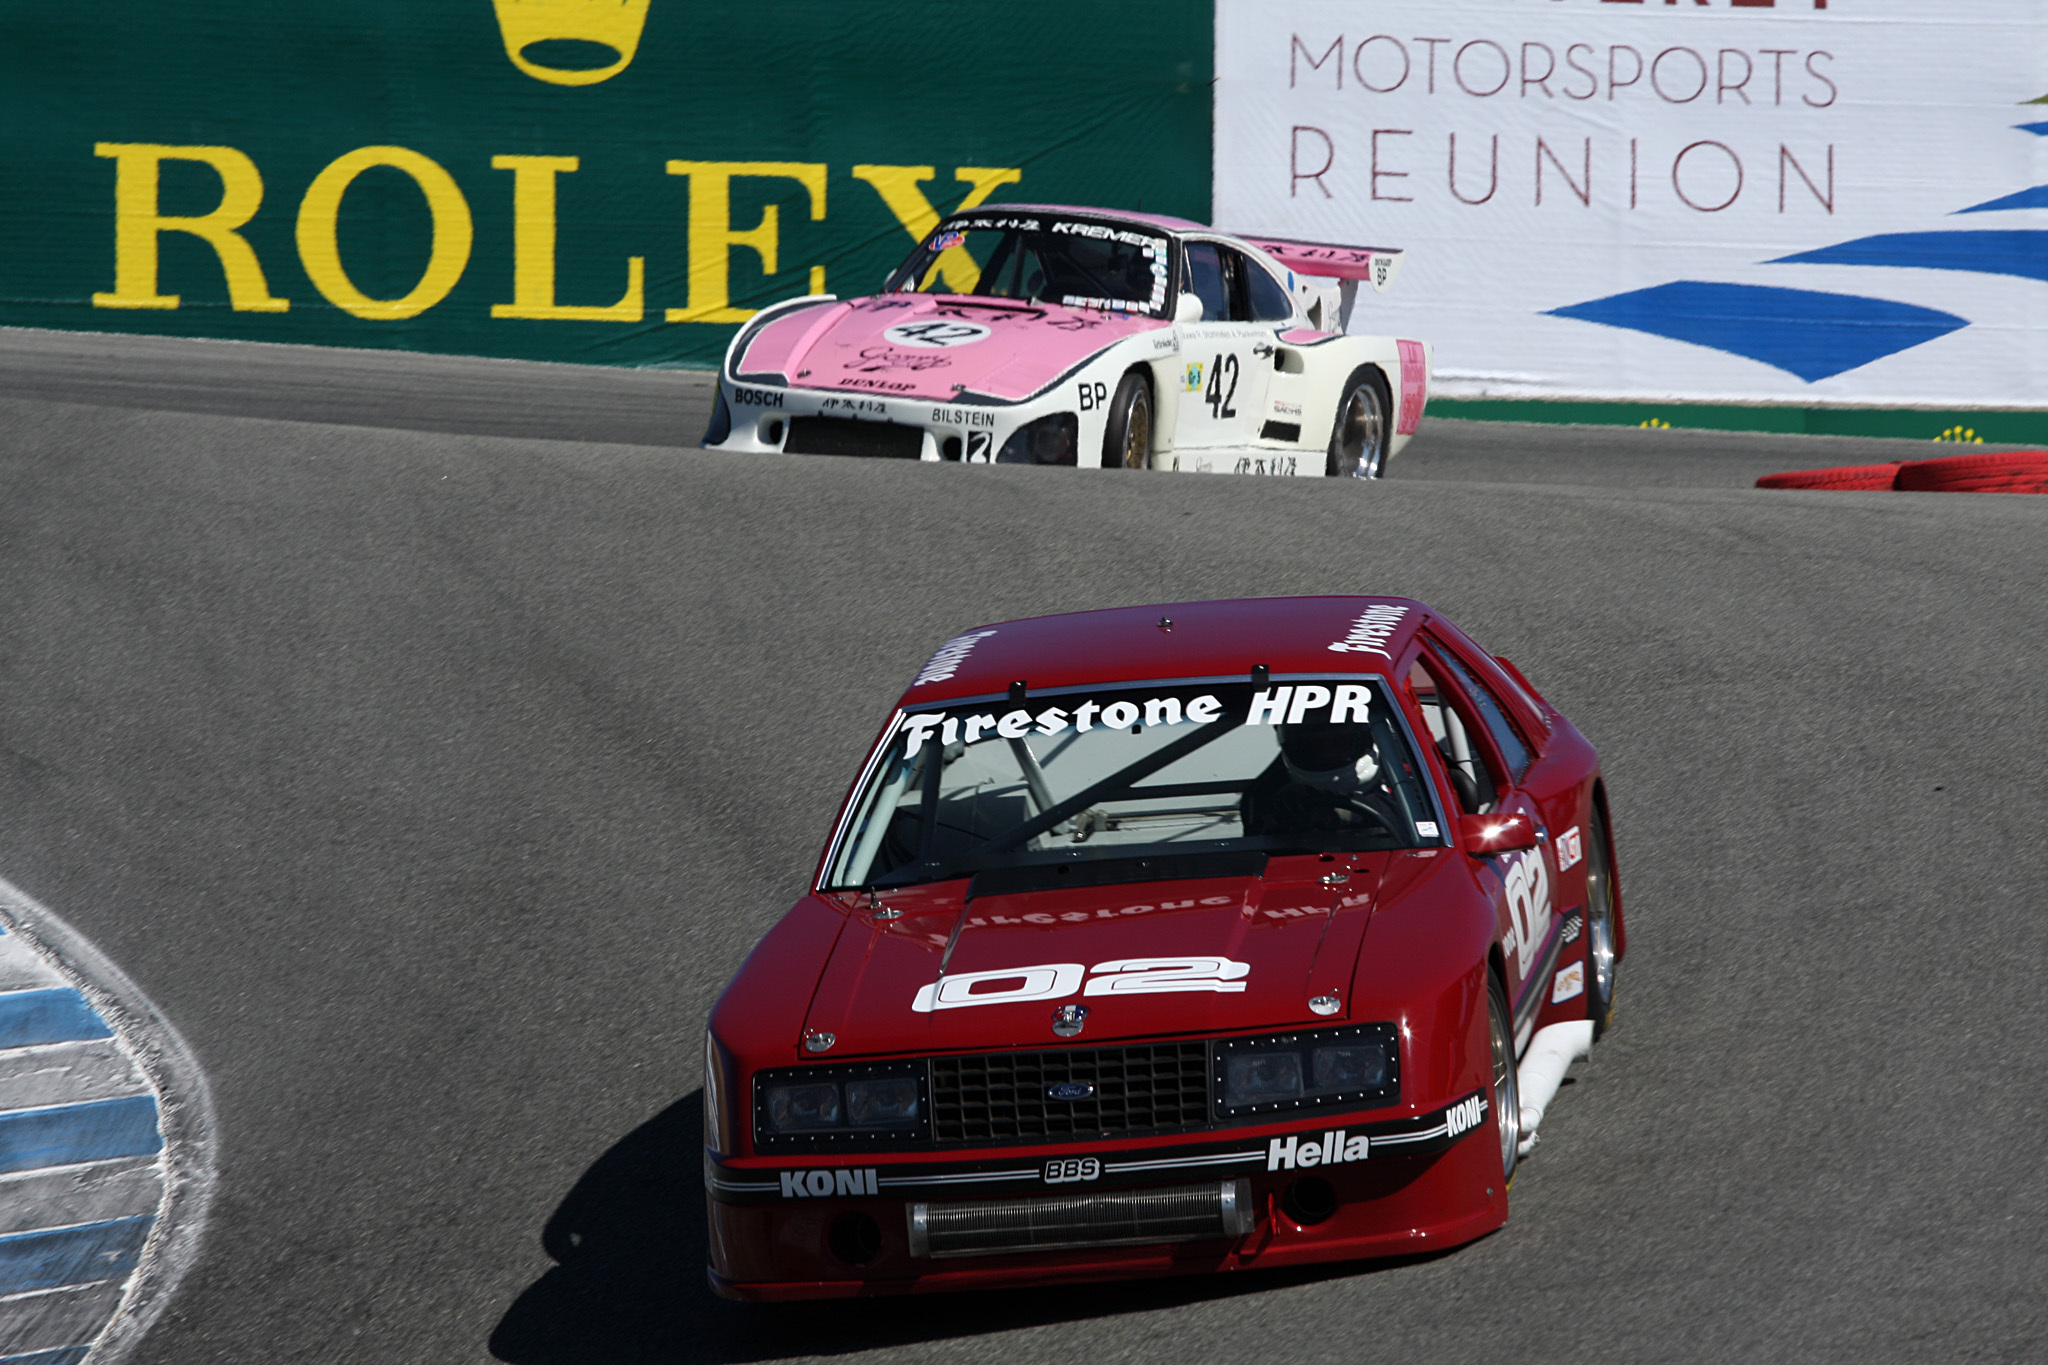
x=1338, y=759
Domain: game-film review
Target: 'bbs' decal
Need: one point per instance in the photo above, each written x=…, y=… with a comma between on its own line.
x=1058, y=980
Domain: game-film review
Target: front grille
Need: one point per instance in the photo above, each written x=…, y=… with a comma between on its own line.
x=847, y=436
x=1003, y=1096
x=989, y=1227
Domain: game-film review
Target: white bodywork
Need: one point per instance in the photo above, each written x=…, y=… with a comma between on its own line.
x=1229, y=397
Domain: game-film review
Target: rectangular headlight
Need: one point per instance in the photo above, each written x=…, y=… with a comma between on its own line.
x=803, y=1108
x=812, y=1108
x=1357, y=1066
x=885, y=1101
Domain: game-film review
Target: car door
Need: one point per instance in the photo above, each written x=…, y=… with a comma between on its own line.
x=1484, y=768
x=1227, y=358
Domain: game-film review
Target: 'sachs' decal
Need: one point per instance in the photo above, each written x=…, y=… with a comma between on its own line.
x=1057, y=980
x=947, y=660
x=1571, y=846
x=1369, y=633
x=1570, y=982
x=935, y=334
x=1072, y=1169
x=827, y=1184
x=1526, y=885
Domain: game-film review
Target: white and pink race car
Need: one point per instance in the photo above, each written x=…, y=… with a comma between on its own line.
x=1040, y=334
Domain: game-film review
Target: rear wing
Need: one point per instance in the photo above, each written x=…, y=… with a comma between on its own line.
x=1377, y=265
x=1315, y=264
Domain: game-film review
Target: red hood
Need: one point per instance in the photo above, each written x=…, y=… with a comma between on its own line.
x=1295, y=936
x=996, y=347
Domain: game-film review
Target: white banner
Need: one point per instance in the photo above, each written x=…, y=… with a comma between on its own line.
x=1807, y=201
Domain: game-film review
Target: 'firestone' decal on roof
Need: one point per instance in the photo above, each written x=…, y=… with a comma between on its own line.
x=946, y=662
x=1369, y=633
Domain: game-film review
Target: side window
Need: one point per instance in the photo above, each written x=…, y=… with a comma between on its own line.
x=1205, y=280
x=1269, y=300
x=1512, y=749
x=1450, y=728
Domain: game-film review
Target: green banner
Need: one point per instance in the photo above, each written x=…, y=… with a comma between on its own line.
x=603, y=181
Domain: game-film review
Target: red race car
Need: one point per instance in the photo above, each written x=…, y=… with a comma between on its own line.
x=1165, y=940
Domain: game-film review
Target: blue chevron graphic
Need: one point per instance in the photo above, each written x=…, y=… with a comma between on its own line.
x=1803, y=332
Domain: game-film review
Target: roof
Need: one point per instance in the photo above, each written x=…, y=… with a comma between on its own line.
x=1205, y=640
x=1158, y=220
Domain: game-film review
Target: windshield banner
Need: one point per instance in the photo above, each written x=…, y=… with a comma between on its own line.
x=1788, y=201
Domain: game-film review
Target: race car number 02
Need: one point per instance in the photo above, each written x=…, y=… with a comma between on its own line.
x=1057, y=980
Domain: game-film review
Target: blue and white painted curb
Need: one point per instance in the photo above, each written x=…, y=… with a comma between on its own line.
x=106, y=1148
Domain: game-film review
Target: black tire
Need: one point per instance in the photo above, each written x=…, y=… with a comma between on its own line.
x=1601, y=959
x=1358, y=437
x=1127, y=435
x=1506, y=1097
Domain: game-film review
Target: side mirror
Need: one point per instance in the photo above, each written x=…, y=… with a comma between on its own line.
x=1189, y=309
x=1482, y=835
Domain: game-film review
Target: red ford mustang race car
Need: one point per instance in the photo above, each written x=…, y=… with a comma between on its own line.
x=1163, y=940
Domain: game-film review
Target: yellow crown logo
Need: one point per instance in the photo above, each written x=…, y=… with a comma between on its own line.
x=547, y=38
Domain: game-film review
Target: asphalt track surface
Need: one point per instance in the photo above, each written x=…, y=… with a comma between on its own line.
x=433, y=783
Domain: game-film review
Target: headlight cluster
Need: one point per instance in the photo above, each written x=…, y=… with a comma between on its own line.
x=815, y=1106
x=1049, y=440
x=1360, y=1064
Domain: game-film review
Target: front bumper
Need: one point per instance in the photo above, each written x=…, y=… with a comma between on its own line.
x=764, y=417
x=784, y=1230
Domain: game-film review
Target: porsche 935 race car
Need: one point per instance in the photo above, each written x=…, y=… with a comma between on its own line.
x=1037, y=334
x=1161, y=940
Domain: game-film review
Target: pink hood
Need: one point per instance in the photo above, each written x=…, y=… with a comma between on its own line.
x=931, y=346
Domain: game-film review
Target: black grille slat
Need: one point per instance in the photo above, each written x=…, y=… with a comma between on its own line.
x=1001, y=1097
x=850, y=436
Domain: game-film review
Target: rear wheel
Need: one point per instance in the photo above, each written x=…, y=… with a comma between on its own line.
x=1507, y=1093
x=1600, y=936
x=1358, y=442
x=1127, y=436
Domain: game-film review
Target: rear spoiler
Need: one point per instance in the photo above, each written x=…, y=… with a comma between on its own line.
x=1377, y=265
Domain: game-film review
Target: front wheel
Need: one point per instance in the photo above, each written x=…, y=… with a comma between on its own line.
x=1127, y=435
x=1358, y=442
x=1507, y=1090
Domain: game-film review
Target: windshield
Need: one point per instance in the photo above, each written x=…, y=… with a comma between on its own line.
x=1304, y=765
x=1039, y=258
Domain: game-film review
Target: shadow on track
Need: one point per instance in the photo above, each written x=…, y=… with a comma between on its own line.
x=628, y=1285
